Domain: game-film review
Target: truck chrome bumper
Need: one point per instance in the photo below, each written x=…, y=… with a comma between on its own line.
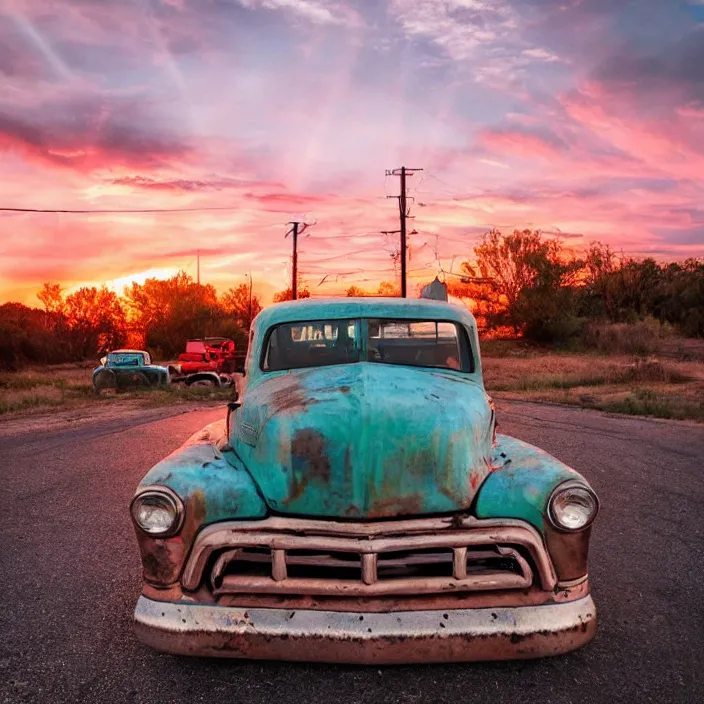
x=455, y=635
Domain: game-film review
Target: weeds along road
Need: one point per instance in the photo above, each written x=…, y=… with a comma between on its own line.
x=70, y=575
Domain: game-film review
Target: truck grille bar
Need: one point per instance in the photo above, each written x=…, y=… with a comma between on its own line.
x=412, y=557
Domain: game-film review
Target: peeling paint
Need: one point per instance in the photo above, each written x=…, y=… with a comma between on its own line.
x=522, y=482
x=381, y=446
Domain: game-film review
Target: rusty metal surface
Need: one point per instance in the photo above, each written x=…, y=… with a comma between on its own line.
x=523, y=478
x=371, y=472
x=435, y=602
x=534, y=596
x=379, y=638
x=373, y=538
x=333, y=441
x=212, y=489
x=569, y=552
x=368, y=588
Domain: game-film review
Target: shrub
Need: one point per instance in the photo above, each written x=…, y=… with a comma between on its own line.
x=559, y=330
x=640, y=338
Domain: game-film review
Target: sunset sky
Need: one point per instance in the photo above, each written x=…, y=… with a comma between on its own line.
x=583, y=117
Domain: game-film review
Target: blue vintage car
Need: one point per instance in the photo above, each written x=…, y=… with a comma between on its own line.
x=121, y=369
x=356, y=505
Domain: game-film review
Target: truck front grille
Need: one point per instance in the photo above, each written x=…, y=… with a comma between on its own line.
x=325, y=558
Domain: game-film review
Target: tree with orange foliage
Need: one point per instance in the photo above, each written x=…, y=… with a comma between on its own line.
x=534, y=276
x=386, y=288
x=287, y=294
x=483, y=300
x=51, y=295
x=96, y=321
x=171, y=311
x=241, y=305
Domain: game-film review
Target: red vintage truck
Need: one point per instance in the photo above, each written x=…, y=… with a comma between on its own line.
x=209, y=361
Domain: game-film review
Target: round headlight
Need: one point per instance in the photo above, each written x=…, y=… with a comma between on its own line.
x=157, y=512
x=573, y=506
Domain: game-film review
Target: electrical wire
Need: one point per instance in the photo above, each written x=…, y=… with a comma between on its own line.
x=341, y=256
x=360, y=270
x=455, y=190
x=136, y=210
x=343, y=237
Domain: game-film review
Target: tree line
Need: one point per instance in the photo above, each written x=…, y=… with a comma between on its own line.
x=159, y=315
x=520, y=283
x=547, y=293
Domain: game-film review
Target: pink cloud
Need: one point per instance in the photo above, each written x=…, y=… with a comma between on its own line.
x=519, y=143
x=302, y=115
x=672, y=144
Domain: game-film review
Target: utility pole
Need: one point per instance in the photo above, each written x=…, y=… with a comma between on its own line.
x=294, y=274
x=198, y=266
x=403, y=172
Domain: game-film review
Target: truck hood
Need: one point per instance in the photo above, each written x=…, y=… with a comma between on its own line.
x=365, y=440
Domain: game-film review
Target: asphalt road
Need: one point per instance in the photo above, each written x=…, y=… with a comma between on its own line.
x=69, y=578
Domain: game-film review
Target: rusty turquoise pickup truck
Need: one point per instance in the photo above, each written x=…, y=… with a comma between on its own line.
x=356, y=505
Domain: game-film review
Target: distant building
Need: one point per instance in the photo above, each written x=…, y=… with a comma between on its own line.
x=436, y=290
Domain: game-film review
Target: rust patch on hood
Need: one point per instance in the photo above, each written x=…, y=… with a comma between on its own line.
x=290, y=398
x=309, y=461
x=396, y=506
x=308, y=447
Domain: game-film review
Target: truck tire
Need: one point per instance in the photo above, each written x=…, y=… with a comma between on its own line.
x=104, y=380
x=137, y=379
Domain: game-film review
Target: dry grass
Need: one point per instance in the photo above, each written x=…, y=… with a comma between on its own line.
x=620, y=384
x=68, y=387
x=663, y=388
x=641, y=338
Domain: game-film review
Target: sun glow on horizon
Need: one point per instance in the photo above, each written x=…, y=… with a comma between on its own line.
x=119, y=284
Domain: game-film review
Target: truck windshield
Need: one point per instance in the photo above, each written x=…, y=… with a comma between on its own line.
x=417, y=343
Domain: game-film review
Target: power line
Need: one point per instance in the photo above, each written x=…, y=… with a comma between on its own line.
x=458, y=240
x=455, y=189
x=343, y=237
x=342, y=256
x=136, y=210
x=334, y=276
